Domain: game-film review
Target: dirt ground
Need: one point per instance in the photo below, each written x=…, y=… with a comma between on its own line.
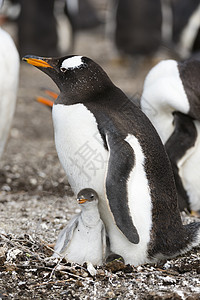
x=36, y=202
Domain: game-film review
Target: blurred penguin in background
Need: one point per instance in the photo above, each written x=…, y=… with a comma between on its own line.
x=49, y=27
x=171, y=100
x=138, y=26
x=37, y=28
x=9, y=74
x=145, y=27
x=186, y=27
x=81, y=14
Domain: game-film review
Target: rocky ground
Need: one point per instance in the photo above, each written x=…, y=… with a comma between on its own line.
x=36, y=202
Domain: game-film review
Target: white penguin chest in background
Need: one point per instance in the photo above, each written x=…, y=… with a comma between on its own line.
x=9, y=71
x=80, y=147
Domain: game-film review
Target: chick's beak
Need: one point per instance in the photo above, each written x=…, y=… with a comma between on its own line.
x=37, y=61
x=81, y=200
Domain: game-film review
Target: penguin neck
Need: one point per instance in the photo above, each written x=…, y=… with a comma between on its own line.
x=78, y=95
x=90, y=216
x=66, y=98
x=84, y=89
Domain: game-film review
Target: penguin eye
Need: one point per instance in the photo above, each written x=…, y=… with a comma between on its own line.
x=92, y=197
x=63, y=69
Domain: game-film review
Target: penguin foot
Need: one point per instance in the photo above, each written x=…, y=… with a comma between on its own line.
x=195, y=213
x=113, y=256
x=52, y=94
x=47, y=101
x=114, y=263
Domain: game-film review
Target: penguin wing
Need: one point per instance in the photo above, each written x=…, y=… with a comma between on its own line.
x=182, y=139
x=103, y=238
x=65, y=236
x=120, y=164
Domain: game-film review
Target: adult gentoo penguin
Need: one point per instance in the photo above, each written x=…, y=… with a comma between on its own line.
x=104, y=141
x=171, y=100
x=9, y=73
x=84, y=238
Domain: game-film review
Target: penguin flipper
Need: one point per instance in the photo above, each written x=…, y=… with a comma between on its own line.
x=104, y=245
x=120, y=164
x=65, y=236
x=182, y=139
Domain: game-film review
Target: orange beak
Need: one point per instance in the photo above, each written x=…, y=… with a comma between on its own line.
x=37, y=62
x=81, y=201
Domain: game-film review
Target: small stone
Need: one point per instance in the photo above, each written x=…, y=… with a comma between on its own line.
x=91, y=269
x=14, y=133
x=10, y=267
x=78, y=283
x=84, y=274
x=6, y=188
x=110, y=294
x=12, y=254
x=33, y=181
x=100, y=272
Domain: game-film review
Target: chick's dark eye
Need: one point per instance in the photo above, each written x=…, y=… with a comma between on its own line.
x=63, y=69
x=92, y=197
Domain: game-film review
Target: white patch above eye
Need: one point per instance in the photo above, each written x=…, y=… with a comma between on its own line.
x=72, y=62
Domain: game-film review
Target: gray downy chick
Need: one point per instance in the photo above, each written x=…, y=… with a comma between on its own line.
x=84, y=237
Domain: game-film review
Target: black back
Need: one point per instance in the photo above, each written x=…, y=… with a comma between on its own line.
x=182, y=139
x=190, y=74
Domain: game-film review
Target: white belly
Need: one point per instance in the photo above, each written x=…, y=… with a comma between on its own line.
x=84, y=158
x=189, y=170
x=80, y=147
x=86, y=245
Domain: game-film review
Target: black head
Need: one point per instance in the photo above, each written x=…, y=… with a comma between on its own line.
x=87, y=195
x=77, y=77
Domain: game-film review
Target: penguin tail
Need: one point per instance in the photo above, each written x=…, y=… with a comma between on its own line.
x=192, y=235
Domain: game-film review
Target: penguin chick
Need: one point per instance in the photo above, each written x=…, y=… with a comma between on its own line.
x=84, y=238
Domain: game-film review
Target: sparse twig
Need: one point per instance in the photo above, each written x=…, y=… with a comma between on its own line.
x=56, y=266
x=17, y=244
x=58, y=281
